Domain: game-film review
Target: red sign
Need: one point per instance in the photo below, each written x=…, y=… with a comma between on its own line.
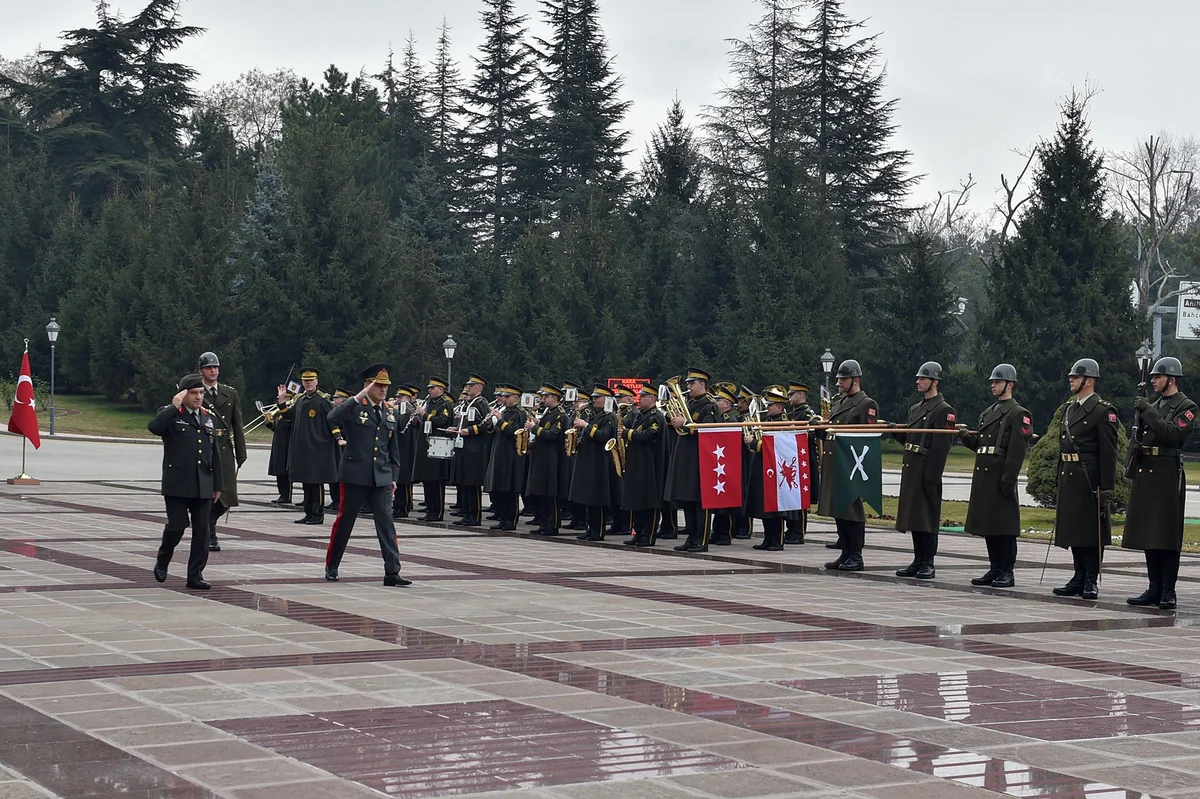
x=634, y=384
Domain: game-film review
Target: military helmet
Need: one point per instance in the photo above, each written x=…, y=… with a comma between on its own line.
x=1167, y=366
x=209, y=359
x=849, y=368
x=930, y=369
x=1085, y=367
x=1004, y=371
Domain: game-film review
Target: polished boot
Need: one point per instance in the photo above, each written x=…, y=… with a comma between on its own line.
x=199, y=585
x=1074, y=586
x=160, y=572
x=395, y=579
x=852, y=563
x=833, y=564
x=926, y=571
x=1004, y=579
x=331, y=574
x=910, y=570
x=834, y=544
x=987, y=578
x=1168, y=600
x=1151, y=596
x=1091, y=589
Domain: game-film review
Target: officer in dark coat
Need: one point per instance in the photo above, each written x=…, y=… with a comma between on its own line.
x=1086, y=474
x=311, y=455
x=644, y=467
x=281, y=439
x=1000, y=445
x=725, y=520
x=772, y=521
x=798, y=410
x=620, y=522
x=852, y=406
x=191, y=476
x=1155, y=519
x=372, y=451
x=596, y=426
x=920, y=508
x=340, y=395
x=742, y=523
x=471, y=460
x=432, y=473
x=226, y=405
x=405, y=431
x=505, y=478
x=683, y=474
x=546, y=482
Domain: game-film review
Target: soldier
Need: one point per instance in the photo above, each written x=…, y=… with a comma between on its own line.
x=547, y=481
x=406, y=430
x=772, y=521
x=226, y=405
x=742, y=522
x=726, y=520
x=191, y=476
x=277, y=467
x=596, y=426
x=644, y=468
x=683, y=475
x=471, y=460
x=1000, y=446
x=1087, y=472
x=852, y=406
x=505, y=478
x=620, y=522
x=432, y=473
x=340, y=395
x=311, y=454
x=796, y=521
x=365, y=474
x=1154, y=522
x=581, y=406
x=920, y=508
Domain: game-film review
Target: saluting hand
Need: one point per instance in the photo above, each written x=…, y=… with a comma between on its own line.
x=280, y=393
x=177, y=400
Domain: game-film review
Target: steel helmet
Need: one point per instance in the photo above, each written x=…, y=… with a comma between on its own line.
x=1004, y=371
x=1085, y=367
x=849, y=368
x=1167, y=366
x=930, y=369
x=209, y=359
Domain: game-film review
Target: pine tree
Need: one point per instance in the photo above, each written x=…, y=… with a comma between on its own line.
x=671, y=166
x=445, y=98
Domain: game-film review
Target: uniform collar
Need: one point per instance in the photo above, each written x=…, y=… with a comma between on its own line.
x=1088, y=403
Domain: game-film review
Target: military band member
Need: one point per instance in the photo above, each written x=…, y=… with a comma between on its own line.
x=852, y=406
x=593, y=465
x=407, y=424
x=371, y=453
x=645, y=467
x=1086, y=475
x=224, y=402
x=920, y=509
x=619, y=522
x=1154, y=522
x=798, y=410
x=742, y=522
x=772, y=521
x=505, y=478
x=471, y=460
x=311, y=454
x=1000, y=445
x=581, y=406
x=683, y=474
x=726, y=520
x=432, y=473
x=547, y=481
x=340, y=395
x=277, y=466
x=191, y=476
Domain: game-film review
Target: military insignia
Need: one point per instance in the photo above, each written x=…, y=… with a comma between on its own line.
x=208, y=423
x=362, y=418
x=312, y=413
x=870, y=411
x=1181, y=422
x=1190, y=416
x=1112, y=417
x=1026, y=420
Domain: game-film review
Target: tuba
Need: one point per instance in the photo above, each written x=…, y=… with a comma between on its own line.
x=676, y=404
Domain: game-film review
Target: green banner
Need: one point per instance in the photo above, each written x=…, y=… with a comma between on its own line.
x=858, y=471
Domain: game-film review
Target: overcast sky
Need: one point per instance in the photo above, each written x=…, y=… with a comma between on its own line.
x=976, y=79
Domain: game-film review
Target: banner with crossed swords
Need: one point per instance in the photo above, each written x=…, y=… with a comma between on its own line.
x=858, y=470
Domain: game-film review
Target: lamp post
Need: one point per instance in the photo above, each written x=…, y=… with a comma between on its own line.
x=448, y=347
x=1144, y=354
x=52, y=334
x=827, y=366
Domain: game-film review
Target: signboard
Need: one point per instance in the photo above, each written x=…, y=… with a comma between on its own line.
x=1187, y=320
x=634, y=384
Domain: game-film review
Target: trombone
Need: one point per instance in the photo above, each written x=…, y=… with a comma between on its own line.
x=268, y=414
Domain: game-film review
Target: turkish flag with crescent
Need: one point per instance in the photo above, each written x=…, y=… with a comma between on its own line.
x=721, y=468
x=23, y=421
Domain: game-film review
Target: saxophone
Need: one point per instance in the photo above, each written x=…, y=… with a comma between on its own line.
x=571, y=437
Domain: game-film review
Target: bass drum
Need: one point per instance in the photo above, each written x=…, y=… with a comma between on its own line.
x=441, y=448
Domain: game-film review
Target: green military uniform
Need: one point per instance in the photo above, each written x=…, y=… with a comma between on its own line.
x=847, y=409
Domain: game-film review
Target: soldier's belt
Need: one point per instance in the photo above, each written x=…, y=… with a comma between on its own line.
x=1156, y=451
x=917, y=448
x=1069, y=457
x=991, y=451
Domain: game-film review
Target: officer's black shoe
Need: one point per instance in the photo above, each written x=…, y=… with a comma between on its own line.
x=496, y=526
x=302, y=521
x=199, y=585
x=773, y=548
x=741, y=536
x=834, y=544
x=1004, y=580
x=1151, y=596
x=722, y=542
x=395, y=579
x=548, y=531
x=331, y=574
x=854, y=563
x=590, y=537
x=833, y=564
x=631, y=541
x=508, y=527
x=316, y=520
x=987, y=578
x=793, y=538
x=763, y=545
x=1074, y=587
x=582, y=537
x=1090, y=589
x=398, y=516
x=698, y=548
x=684, y=547
x=160, y=573
x=281, y=501
x=1168, y=600
x=910, y=570
x=671, y=536
x=428, y=518
x=331, y=506
x=926, y=571
x=297, y=504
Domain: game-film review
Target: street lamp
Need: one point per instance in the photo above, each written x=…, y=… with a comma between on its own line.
x=1144, y=354
x=827, y=366
x=961, y=304
x=448, y=346
x=52, y=334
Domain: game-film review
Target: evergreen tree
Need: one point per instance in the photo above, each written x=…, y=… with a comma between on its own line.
x=671, y=166
x=445, y=98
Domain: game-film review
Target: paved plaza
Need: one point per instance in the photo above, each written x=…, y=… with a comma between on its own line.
x=523, y=667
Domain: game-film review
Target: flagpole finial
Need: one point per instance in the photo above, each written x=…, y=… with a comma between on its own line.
x=27, y=345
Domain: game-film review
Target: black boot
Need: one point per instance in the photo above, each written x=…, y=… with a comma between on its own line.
x=1091, y=588
x=987, y=578
x=1168, y=600
x=1074, y=586
x=1151, y=596
x=926, y=571
x=910, y=570
x=831, y=565
x=852, y=563
x=1004, y=579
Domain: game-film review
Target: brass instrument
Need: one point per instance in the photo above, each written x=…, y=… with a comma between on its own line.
x=521, y=438
x=676, y=404
x=611, y=448
x=619, y=457
x=758, y=410
x=571, y=437
x=271, y=414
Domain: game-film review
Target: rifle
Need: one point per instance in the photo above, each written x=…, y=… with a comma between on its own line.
x=1133, y=457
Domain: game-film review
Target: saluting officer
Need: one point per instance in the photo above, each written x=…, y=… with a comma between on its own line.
x=1154, y=522
x=311, y=454
x=432, y=473
x=547, y=481
x=920, y=508
x=852, y=406
x=596, y=426
x=191, y=476
x=995, y=509
x=371, y=452
x=1086, y=474
x=644, y=467
x=505, y=478
x=223, y=400
x=683, y=475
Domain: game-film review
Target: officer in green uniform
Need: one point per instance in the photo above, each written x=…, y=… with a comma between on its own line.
x=645, y=467
x=1154, y=523
x=1000, y=445
x=1086, y=474
x=432, y=473
x=852, y=406
x=772, y=521
x=225, y=403
x=595, y=426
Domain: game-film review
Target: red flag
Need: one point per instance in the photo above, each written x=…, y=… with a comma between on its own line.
x=721, y=468
x=23, y=421
x=787, y=473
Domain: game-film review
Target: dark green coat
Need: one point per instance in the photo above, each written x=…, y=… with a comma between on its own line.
x=593, y=466
x=191, y=466
x=1089, y=430
x=1156, y=498
x=846, y=409
x=311, y=456
x=683, y=475
x=920, y=506
x=506, y=469
x=231, y=437
x=1000, y=447
x=644, y=461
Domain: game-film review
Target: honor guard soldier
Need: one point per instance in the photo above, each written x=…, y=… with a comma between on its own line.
x=191, y=476
x=645, y=467
x=340, y=395
x=1086, y=475
x=726, y=520
x=505, y=478
x=371, y=453
x=406, y=421
x=852, y=406
x=683, y=475
x=796, y=521
x=472, y=458
x=311, y=455
x=772, y=521
x=595, y=427
x=1154, y=522
x=432, y=473
x=920, y=509
x=226, y=405
x=281, y=439
x=995, y=509
x=547, y=481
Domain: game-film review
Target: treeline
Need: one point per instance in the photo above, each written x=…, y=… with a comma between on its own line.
x=277, y=221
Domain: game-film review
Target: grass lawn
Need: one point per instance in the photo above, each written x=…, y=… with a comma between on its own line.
x=92, y=415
